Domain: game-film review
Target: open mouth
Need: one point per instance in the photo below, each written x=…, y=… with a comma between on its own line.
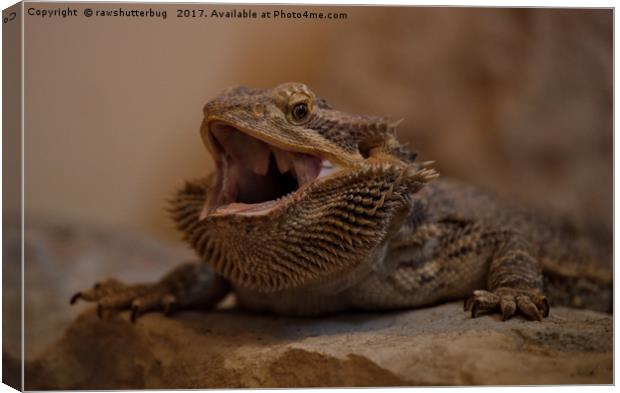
x=253, y=176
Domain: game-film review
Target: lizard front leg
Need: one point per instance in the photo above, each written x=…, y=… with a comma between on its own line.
x=189, y=286
x=448, y=260
x=515, y=281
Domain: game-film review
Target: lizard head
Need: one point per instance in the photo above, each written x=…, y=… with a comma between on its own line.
x=301, y=191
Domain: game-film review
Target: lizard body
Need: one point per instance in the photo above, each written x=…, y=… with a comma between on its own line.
x=313, y=211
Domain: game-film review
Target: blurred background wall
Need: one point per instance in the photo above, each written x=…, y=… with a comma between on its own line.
x=518, y=101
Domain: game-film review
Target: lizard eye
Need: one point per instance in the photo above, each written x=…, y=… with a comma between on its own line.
x=300, y=112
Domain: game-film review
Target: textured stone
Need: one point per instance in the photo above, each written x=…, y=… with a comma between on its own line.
x=230, y=348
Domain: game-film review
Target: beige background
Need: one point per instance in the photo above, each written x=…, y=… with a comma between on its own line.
x=518, y=101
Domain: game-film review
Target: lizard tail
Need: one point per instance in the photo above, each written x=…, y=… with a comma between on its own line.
x=581, y=275
x=579, y=292
x=577, y=263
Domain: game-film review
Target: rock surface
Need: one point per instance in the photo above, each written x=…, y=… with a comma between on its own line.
x=230, y=348
x=63, y=257
x=70, y=348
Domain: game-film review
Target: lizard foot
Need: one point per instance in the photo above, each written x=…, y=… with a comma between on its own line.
x=508, y=301
x=113, y=295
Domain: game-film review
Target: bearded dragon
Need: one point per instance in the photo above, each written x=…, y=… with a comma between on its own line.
x=312, y=211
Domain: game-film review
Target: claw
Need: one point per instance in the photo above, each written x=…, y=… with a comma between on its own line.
x=528, y=308
x=474, y=310
x=167, y=303
x=75, y=298
x=508, y=301
x=508, y=308
x=545, y=307
x=468, y=303
x=135, y=312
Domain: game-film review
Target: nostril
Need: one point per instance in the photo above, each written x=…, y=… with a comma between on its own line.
x=258, y=109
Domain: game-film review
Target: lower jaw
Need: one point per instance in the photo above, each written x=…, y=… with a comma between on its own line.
x=247, y=209
x=314, y=234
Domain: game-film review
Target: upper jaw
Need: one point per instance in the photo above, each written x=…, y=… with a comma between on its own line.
x=254, y=176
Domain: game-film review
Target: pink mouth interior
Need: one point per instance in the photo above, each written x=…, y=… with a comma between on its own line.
x=252, y=173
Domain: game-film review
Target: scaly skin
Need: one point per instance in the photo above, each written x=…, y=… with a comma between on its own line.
x=375, y=234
